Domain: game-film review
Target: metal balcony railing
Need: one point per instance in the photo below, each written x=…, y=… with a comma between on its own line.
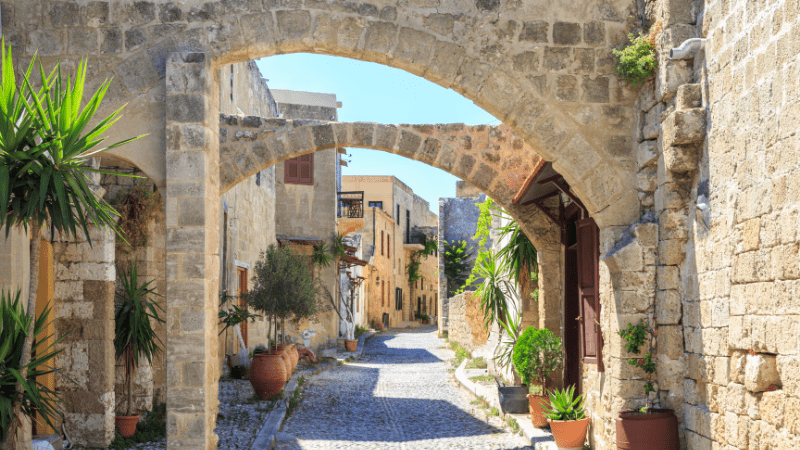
x=350, y=204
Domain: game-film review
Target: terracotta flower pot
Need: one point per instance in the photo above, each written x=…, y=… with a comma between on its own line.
x=570, y=434
x=286, y=360
x=537, y=412
x=285, y=349
x=126, y=425
x=268, y=374
x=656, y=429
x=350, y=344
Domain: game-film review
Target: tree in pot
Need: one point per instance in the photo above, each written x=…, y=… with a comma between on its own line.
x=230, y=315
x=45, y=144
x=135, y=337
x=538, y=354
x=648, y=428
x=567, y=419
x=282, y=287
x=322, y=257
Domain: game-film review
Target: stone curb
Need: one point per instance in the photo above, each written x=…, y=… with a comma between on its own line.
x=539, y=439
x=265, y=439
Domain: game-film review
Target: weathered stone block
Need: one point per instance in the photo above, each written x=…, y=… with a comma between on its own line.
x=652, y=122
x=671, y=75
x=761, y=371
x=414, y=47
x=534, y=32
x=690, y=96
x=566, y=88
x=595, y=90
x=293, y=25
x=565, y=33
x=772, y=407
x=594, y=34
x=557, y=58
x=684, y=127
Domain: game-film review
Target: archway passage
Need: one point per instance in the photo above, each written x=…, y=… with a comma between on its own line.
x=542, y=67
x=491, y=158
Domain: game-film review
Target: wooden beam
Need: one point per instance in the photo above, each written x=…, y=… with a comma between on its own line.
x=525, y=186
x=565, y=189
x=549, y=179
x=542, y=198
x=547, y=213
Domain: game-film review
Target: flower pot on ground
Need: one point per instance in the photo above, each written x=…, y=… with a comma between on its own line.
x=513, y=399
x=567, y=419
x=126, y=424
x=135, y=336
x=648, y=428
x=350, y=344
x=268, y=374
x=655, y=429
x=537, y=356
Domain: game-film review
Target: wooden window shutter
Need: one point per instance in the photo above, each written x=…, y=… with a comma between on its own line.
x=381, y=242
x=589, y=290
x=382, y=291
x=388, y=246
x=299, y=170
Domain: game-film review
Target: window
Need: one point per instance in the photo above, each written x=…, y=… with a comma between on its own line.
x=258, y=179
x=408, y=226
x=381, y=242
x=382, y=291
x=398, y=214
x=388, y=246
x=398, y=299
x=376, y=205
x=299, y=170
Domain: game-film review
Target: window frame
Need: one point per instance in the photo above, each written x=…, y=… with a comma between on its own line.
x=298, y=161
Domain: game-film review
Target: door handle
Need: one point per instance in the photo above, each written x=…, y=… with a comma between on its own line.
x=579, y=318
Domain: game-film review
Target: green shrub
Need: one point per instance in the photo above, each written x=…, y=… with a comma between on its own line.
x=477, y=363
x=637, y=62
x=359, y=331
x=537, y=356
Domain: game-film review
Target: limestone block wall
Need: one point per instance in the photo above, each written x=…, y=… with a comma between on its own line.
x=466, y=321
x=84, y=304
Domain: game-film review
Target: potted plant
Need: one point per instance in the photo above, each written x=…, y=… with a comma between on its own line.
x=567, y=419
x=649, y=427
x=282, y=287
x=135, y=337
x=537, y=356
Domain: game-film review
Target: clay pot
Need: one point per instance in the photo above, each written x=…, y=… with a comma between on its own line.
x=537, y=412
x=294, y=355
x=286, y=360
x=126, y=425
x=288, y=352
x=656, y=429
x=268, y=374
x=350, y=344
x=570, y=434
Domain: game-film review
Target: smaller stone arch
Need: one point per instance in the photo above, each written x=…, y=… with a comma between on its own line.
x=491, y=158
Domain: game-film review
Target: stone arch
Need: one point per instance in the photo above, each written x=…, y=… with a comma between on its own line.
x=543, y=68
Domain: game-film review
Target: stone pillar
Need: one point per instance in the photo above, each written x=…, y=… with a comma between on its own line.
x=192, y=251
x=84, y=303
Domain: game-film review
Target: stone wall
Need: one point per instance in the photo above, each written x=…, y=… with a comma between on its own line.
x=84, y=316
x=466, y=321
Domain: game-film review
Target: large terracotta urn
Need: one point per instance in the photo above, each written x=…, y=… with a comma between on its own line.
x=537, y=405
x=268, y=374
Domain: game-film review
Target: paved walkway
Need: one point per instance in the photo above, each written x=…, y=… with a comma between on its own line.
x=398, y=395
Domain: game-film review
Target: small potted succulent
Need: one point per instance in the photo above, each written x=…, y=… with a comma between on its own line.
x=647, y=428
x=567, y=419
x=538, y=354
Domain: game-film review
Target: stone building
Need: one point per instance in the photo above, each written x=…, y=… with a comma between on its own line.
x=691, y=178
x=394, y=214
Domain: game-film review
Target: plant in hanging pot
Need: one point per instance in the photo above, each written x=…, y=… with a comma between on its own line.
x=538, y=355
x=135, y=337
x=567, y=419
x=282, y=288
x=647, y=428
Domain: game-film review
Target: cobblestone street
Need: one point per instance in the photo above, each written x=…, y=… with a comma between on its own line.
x=398, y=395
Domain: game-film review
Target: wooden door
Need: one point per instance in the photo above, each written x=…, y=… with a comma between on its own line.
x=44, y=299
x=588, y=286
x=242, y=273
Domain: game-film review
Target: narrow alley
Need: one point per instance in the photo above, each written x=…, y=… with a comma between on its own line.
x=398, y=395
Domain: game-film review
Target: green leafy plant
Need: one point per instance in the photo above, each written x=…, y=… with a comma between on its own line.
x=456, y=264
x=421, y=316
x=636, y=336
x=283, y=286
x=35, y=395
x=564, y=405
x=233, y=316
x=481, y=236
x=493, y=412
x=135, y=336
x=359, y=331
x=46, y=143
x=482, y=379
x=637, y=62
x=477, y=363
x=537, y=356
x=412, y=268
x=512, y=424
x=137, y=207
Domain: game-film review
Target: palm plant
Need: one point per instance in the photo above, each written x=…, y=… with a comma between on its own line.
x=520, y=252
x=14, y=325
x=135, y=336
x=456, y=264
x=45, y=144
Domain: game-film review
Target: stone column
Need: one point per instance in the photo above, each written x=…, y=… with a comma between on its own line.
x=83, y=305
x=192, y=251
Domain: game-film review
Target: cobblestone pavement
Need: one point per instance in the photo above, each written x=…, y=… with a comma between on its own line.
x=398, y=395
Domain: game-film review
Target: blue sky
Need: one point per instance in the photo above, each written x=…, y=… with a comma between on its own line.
x=372, y=92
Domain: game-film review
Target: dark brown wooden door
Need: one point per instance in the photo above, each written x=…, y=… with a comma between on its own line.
x=242, y=303
x=588, y=287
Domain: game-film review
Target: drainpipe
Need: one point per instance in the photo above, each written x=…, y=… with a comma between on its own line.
x=688, y=49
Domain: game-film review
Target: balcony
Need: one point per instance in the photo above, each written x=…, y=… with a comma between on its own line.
x=350, y=204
